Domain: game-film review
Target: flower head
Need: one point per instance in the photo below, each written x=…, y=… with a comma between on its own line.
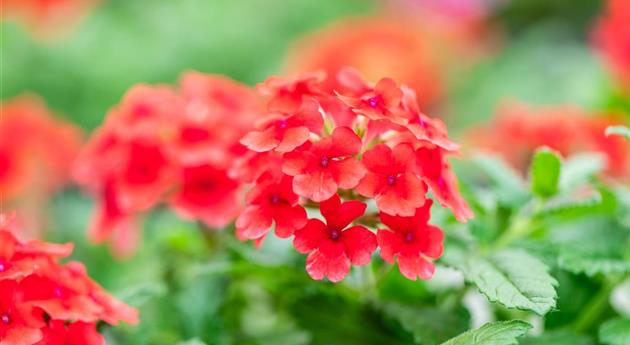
x=332, y=247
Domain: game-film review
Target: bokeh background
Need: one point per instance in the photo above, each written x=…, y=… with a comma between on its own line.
x=534, y=51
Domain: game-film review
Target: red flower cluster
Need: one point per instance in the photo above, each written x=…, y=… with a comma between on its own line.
x=366, y=142
x=612, y=37
x=167, y=145
x=565, y=129
x=46, y=17
x=44, y=302
x=35, y=154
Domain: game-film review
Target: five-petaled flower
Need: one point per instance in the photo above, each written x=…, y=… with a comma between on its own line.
x=332, y=247
x=390, y=180
x=322, y=167
x=411, y=242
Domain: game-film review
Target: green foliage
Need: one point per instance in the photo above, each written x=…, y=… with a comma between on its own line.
x=545, y=173
x=513, y=278
x=615, y=332
x=496, y=333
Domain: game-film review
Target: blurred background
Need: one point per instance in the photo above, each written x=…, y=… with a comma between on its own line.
x=465, y=58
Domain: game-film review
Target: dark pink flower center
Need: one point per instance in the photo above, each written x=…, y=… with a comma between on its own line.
x=373, y=102
x=282, y=124
x=5, y=318
x=324, y=161
x=334, y=234
x=391, y=180
x=274, y=199
x=3, y=266
x=58, y=292
x=441, y=183
x=409, y=237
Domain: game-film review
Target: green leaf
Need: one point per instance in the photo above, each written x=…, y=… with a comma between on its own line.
x=495, y=333
x=508, y=186
x=545, y=173
x=513, y=278
x=615, y=332
x=557, y=338
x=580, y=168
x=428, y=325
x=592, y=246
x=618, y=130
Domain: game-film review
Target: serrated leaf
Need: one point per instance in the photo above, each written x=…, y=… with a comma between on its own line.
x=579, y=168
x=592, y=247
x=495, y=333
x=618, y=130
x=557, y=338
x=513, y=278
x=545, y=173
x=508, y=185
x=428, y=325
x=615, y=332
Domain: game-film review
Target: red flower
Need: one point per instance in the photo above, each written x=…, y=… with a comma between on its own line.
x=271, y=200
x=332, y=247
x=286, y=94
x=423, y=127
x=207, y=193
x=612, y=37
x=20, y=323
x=320, y=168
x=76, y=333
x=286, y=132
x=251, y=165
x=377, y=47
x=391, y=181
x=411, y=242
x=436, y=172
x=379, y=102
x=41, y=296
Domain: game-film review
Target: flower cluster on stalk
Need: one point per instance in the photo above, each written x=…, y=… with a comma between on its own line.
x=44, y=302
x=337, y=152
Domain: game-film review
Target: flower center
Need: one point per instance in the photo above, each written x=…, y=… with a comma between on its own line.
x=58, y=292
x=5, y=318
x=391, y=180
x=274, y=199
x=282, y=124
x=409, y=237
x=373, y=102
x=334, y=234
x=324, y=161
x=3, y=266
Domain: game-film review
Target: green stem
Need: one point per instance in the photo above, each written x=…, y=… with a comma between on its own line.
x=595, y=307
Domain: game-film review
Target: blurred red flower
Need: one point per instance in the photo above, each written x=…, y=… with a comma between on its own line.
x=36, y=151
x=612, y=38
x=167, y=145
x=41, y=297
x=566, y=129
x=331, y=246
x=47, y=18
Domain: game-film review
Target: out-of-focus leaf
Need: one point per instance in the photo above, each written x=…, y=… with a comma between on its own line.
x=513, y=278
x=193, y=341
x=618, y=130
x=592, y=246
x=545, y=173
x=508, y=186
x=580, y=168
x=557, y=338
x=142, y=293
x=615, y=332
x=495, y=333
x=428, y=325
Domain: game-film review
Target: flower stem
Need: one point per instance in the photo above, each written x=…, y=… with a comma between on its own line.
x=595, y=307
